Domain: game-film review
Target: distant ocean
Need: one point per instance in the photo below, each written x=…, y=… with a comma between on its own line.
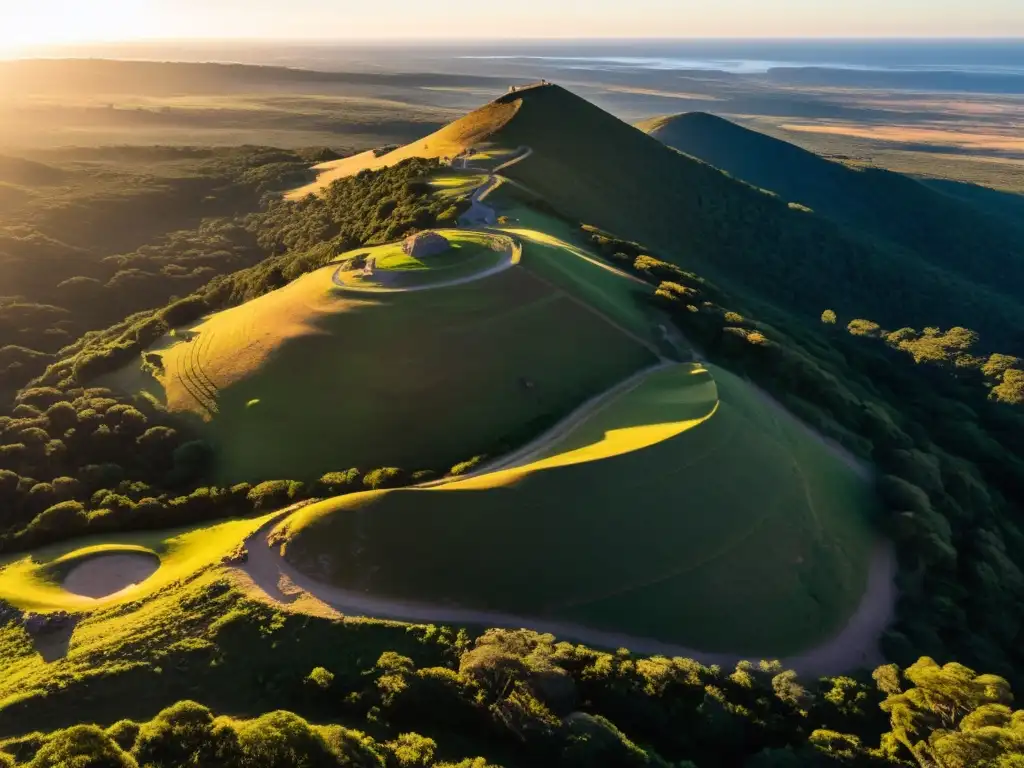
x=981, y=57
x=969, y=58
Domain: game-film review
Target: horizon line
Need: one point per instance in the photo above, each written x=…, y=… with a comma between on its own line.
x=556, y=38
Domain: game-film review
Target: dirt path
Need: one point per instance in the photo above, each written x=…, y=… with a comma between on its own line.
x=852, y=647
x=540, y=445
x=479, y=213
x=855, y=645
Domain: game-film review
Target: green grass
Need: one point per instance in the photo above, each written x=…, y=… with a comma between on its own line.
x=689, y=511
x=417, y=380
x=200, y=637
x=554, y=256
x=470, y=252
x=456, y=183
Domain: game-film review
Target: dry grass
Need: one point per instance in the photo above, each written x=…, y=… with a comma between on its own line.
x=916, y=134
x=451, y=140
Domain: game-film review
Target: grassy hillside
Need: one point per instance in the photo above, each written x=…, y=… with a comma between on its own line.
x=698, y=515
x=314, y=378
x=939, y=229
x=595, y=168
x=451, y=140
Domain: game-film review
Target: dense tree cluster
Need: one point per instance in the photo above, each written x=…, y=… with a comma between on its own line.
x=520, y=698
x=105, y=233
x=948, y=458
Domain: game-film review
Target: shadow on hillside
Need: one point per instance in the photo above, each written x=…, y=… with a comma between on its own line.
x=53, y=644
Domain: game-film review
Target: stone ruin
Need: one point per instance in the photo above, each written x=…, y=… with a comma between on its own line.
x=424, y=244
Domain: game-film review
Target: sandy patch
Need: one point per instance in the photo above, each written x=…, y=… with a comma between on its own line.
x=109, y=575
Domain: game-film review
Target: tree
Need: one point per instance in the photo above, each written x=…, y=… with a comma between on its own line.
x=938, y=699
x=184, y=734
x=386, y=477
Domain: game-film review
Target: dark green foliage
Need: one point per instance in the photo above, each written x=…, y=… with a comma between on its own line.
x=947, y=453
x=937, y=228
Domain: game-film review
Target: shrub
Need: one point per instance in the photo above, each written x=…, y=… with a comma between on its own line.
x=270, y=494
x=337, y=483
x=386, y=477
x=64, y=518
x=283, y=738
x=124, y=732
x=83, y=746
x=320, y=678
x=183, y=734
x=466, y=467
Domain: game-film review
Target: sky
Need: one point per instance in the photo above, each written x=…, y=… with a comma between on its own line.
x=45, y=22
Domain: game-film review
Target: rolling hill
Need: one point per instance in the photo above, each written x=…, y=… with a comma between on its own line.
x=688, y=510
x=323, y=375
x=597, y=169
x=937, y=227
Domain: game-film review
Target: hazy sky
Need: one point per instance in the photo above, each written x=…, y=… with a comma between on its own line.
x=53, y=21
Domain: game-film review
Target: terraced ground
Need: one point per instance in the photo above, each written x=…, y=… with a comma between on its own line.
x=687, y=511
x=314, y=378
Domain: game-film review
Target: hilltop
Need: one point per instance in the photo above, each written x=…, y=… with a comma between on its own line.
x=597, y=169
x=333, y=372
x=939, y=229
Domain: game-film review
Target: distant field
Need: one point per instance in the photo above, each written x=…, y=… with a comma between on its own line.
x=309, y=379
x=699, y=515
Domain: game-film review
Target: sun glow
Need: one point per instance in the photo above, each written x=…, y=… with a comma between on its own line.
x=29, y=24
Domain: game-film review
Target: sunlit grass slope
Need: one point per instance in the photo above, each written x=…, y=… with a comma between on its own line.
x=465, y=133
x=690, y=511
x=312, y=378
x=33, y=582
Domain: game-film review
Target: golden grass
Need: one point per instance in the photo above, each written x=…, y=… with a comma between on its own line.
x=32, y=582
x=475, y=128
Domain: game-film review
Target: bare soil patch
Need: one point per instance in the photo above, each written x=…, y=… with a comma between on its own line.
x=108, y=575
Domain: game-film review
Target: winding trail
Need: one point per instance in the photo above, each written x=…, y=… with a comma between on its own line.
x=480, y=213
x=854, y=646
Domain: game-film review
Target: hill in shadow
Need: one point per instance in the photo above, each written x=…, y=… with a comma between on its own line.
x=597, y=169
x=937, y=227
